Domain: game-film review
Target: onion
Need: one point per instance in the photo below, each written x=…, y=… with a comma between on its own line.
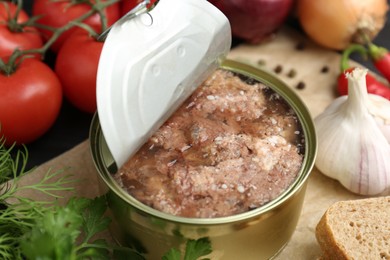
x=337, y=23
x=254, y=20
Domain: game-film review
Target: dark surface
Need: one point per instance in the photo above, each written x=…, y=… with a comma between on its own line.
x=72, y=126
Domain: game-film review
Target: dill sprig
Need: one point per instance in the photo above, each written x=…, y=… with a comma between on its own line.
x=47, y=229
x=18, y=214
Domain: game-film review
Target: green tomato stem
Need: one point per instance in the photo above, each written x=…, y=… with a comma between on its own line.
x=57, y=33
x=9, y=67
x=103, y=18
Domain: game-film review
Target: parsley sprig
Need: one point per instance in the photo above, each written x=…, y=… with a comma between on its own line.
x=72, y=233
x=46, y=230
x=33, y=229
x=18, y=214
x=195, y=249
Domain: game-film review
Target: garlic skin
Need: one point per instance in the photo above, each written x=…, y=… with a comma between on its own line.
x=354, y=139
x=379, y=107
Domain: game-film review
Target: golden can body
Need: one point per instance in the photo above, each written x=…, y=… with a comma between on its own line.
x=257, y=234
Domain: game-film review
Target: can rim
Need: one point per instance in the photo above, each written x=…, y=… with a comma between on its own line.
x=104, y=162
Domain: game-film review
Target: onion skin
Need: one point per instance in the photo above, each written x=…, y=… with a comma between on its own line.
x=254, y=20
x=335, y=24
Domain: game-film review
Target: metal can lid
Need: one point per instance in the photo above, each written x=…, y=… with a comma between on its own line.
x=151, y=63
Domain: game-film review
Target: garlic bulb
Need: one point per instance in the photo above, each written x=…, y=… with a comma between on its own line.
x=354, y=138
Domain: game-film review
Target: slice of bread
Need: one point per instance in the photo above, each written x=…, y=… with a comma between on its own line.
x=356, y=229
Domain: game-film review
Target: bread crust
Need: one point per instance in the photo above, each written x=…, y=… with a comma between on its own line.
x=325, y=237
x=352, y=229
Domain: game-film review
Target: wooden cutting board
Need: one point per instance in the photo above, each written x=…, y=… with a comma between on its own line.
x=296, y=60
x=316, y=68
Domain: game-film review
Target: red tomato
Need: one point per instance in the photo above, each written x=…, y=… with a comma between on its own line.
x=12, y=35
x=127, y=5
x=28, y=39
x=7, y=11
x=30, y=100
x=59, y=13
x=76, y=66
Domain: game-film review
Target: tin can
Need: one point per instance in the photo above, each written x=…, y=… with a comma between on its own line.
x=257, y=234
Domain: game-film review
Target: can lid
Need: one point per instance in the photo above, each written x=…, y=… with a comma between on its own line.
x=151, y=63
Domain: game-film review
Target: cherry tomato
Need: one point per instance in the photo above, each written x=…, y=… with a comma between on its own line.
x=127, y=5
x=76, y=66
x=30, y=100
x=59, y=13
x=13, y=35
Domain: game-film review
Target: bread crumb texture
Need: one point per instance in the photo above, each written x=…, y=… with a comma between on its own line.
x=356, y=229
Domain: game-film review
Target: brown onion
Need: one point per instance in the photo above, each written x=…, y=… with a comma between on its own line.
x=337, y=23
x=254, y=20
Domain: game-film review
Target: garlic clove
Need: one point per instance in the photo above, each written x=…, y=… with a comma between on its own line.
x=385, y=128
x=379, y=108
x=371, y=164
x=351, y=145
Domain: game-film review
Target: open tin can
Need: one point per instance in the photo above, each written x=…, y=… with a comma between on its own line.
x=257, y=234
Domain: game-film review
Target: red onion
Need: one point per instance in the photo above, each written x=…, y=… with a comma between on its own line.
x=254, y=20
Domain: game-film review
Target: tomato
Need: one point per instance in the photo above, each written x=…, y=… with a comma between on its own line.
x=13, y=35
x=8, y=10
x=59, y=13
x=28, y=39
x=30, y=100
x=76, y=66
x=127, y=5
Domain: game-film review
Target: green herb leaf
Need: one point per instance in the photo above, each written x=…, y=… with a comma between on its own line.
x=54, y=234
x=93, y=218
x=18, y=214
x=43, y=230
x=172, y=254
x=197, y=248
x=194, y=250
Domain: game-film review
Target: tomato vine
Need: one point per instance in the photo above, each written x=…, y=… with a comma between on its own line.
x=8, y=67
x=31, y=92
